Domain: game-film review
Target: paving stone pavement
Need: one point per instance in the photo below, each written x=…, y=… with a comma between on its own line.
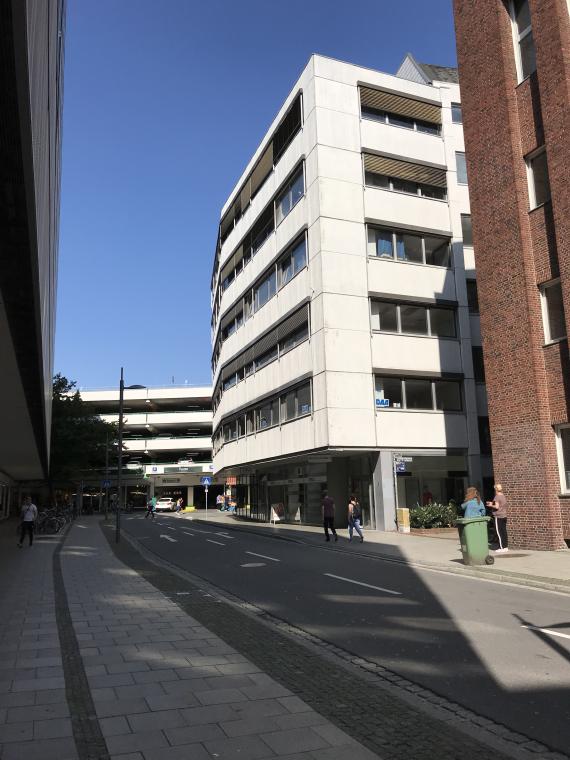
x=101, y=660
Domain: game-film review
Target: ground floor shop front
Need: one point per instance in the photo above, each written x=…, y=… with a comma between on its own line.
x=292, y=491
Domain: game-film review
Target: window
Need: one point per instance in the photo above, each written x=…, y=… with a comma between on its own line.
x=288, y=406
x=293, y=340
x=418, y=393
x=304, y=400
x=266, y=358
x=564, y=457
x=478, y=365
x=293, y=261
x=466, y=230
x=384, y=316
x=538, y=182
x=419, y=249
x=484, y=436
x=296, y=403
x=399, y=185
x=456, y=116
x=388, y=392
x=553, y=311
x=399, y=120
x=472, y=296
x=414, y=319
x=447, y=395
x=524, y=43
x=249, y=422
x=265, y=290
x=461, y=168
x=299, y=257
x=291, y=195
x=442, y=323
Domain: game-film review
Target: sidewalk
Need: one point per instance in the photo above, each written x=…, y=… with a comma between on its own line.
x=548, y=570
x=140, y=678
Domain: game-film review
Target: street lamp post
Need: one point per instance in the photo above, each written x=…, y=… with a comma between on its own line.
x=120, y=460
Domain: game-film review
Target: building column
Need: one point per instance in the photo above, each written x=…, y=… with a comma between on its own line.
x=383, y=489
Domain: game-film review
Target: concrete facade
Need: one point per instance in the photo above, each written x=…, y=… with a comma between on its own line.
x=31, y=82
x=299, y=351
x=514, y=66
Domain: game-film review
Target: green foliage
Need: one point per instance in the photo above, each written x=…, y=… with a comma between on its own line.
x=78, y=438
x=433, y=516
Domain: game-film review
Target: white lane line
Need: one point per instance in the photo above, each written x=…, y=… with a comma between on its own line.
x=188, y=533
x=210, y=541
x=549, y=631
x=367, y=585
x=225, y=535
x=168, y=538
x=263, y=556
x=168, y=527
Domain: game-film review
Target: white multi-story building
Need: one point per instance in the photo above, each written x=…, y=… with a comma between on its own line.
x=343, y=302
x=167, y=440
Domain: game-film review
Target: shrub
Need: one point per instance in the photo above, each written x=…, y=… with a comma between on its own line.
x=433, y=516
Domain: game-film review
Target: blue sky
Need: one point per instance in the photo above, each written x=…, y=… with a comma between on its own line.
x=164, y=105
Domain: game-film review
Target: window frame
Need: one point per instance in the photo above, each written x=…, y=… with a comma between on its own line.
x=529, y=160
x=454, y=108
x=433, y=394
x=564, y=481
x=298, y=173
x=461, y=153
x=543, y=288
x=419, y=193
x=384, y=117
x=395, y=233
x=518, y=38
x=463, y=226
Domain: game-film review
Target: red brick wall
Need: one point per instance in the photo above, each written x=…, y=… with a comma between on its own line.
x=514, y=251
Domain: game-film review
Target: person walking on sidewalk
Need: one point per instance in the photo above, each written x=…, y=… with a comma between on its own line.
x=328, y=516
x=28, y=516
x=499, y=507
x=473, y=506
x=354, y=518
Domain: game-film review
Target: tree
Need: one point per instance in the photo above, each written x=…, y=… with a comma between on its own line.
x=78, y=438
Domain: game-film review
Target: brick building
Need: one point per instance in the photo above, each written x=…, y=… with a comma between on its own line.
x=514, y=66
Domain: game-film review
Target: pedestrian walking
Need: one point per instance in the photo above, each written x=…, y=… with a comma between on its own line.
x=28, y=517
x=473, y=506
x=499, y=507
x=354, y=518
x=328, y=516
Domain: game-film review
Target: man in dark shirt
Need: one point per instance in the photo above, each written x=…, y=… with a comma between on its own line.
x=328, y=516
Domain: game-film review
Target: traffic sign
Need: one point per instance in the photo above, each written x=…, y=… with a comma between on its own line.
x=106, y=483
x=400, y=467
x=206, y=480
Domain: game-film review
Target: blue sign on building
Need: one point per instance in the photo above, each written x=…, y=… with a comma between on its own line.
x=382, y=402
x=205, y=480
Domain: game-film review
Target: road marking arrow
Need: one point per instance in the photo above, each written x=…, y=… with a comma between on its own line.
x=168, y=538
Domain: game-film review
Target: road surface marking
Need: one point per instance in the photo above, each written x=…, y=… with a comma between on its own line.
x=211, y=541
x=168, y=527
x=168, y=538
x=263, y=556
x=547, y=630
x=183, y=593
x=225, y=535
x=188, y=533
x=254, y=564
x=367, y=585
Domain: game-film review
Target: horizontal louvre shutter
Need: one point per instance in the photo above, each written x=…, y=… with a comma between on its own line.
x=268, y=341
x=245, y=194
x=289, y=127
x=263, y=168
x=294, y=322
x=387, y=101
x=227, y=224
x=391, y=167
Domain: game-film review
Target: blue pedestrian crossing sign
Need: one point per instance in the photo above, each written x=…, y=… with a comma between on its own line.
x=205, y=480
x=106, y=483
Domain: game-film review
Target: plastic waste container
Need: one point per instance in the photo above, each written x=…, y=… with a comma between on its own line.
x=474, y=540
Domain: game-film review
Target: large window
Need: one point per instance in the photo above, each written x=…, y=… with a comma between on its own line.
x=413, y=319
x=397, y=120
x=407, y=246
x=397, y=185
x=553, y=311
x=456, y=115
x=466, y=229
x=265, y=290
x=418, y=394
x=461, y=166
x=524, y=43
x=292, y=262
x=563, y=434
x=290, y=196
x=538, y=182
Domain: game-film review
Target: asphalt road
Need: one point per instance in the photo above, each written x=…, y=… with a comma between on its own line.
x=500, y=650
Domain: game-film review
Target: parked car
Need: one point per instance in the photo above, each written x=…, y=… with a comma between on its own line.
x=166, y=504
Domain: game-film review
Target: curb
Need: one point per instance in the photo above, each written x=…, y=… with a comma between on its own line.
x=551, y=584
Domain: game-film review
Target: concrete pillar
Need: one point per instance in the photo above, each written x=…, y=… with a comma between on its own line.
x=337, y=486
x=190, y=497
x=383, y=487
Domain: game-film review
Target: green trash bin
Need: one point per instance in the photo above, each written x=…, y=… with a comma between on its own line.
x=474, y=540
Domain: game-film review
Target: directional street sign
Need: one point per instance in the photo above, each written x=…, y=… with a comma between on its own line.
x=206, y=480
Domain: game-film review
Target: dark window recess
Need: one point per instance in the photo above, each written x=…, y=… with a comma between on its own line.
x=472, y=296
x=484, y=436
x=285, y=133
x=478, y=365
x=466, y=230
